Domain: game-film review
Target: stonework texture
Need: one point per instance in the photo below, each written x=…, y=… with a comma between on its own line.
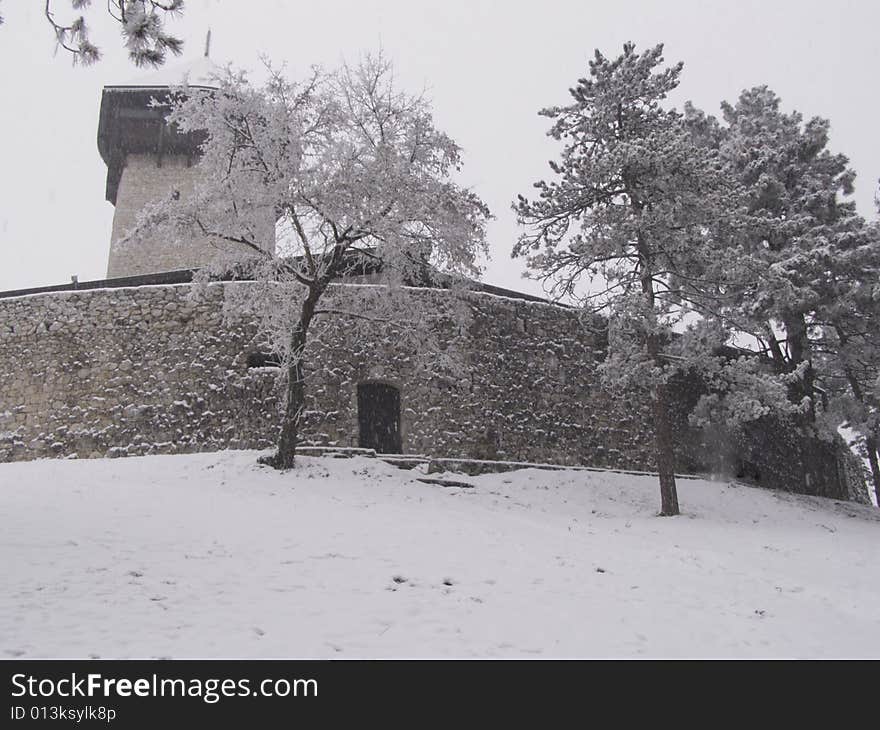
x=164, y=369
x=148, y=179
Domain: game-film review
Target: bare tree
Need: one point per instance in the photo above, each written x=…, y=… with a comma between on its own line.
x=355, y=174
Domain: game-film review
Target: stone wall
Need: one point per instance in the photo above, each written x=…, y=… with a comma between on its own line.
x=164, y=369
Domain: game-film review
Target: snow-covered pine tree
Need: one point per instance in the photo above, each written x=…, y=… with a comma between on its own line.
x=798, y=233
x=354, y=171
x=847, y=345
x=141, y=25
x=631, y=204
x=806, y=263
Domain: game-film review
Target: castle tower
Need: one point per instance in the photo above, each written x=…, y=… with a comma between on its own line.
x=147, y=161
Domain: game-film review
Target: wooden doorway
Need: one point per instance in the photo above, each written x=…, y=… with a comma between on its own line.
x=379, y=417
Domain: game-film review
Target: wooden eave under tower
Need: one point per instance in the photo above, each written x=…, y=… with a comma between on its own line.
x=131, y=121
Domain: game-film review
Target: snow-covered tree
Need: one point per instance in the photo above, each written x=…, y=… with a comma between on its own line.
x=632, y=202
x=357, y=177
x=806, y=263
x=847, y=346
x=141, y=24
x=800, y=237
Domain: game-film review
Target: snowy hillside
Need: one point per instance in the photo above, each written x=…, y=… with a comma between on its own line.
x=211, y=555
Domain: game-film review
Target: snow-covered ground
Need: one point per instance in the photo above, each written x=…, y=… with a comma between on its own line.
x=209, y=555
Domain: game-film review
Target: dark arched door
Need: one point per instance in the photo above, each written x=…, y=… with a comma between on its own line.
x=379, y=417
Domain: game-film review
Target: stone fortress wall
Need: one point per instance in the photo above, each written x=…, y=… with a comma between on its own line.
x=164, y=369
x=167, y=368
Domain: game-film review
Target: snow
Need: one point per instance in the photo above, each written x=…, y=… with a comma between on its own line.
x=211, y=555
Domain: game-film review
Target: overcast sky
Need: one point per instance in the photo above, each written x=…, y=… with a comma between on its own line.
x=488, y=67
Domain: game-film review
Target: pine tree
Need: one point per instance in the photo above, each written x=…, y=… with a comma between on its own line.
x=848, y=344
x=807, y=264
x=631, y=203
x=797, y=227
x=141, y=25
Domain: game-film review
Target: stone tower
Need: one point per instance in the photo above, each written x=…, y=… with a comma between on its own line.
x=147, y=161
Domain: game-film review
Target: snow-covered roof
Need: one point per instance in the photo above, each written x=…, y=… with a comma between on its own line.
x=201, y=71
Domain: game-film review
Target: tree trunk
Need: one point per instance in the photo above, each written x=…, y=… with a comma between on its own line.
x=664, y=445
x=799, y=351
x=779, y=362
x=294, y=403
x=871, y=445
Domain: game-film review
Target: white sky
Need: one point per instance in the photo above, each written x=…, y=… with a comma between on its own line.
x=488, y=66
